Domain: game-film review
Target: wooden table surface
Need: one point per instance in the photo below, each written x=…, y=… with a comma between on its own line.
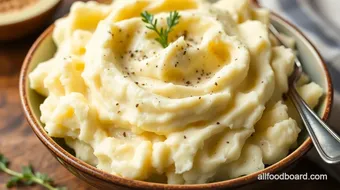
x=21, y=146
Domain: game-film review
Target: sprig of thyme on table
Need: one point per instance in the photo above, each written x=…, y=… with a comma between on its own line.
x=163, y=33
x=27, y=176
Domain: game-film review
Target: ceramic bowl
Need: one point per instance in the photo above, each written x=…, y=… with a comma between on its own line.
x=44, y=49
x=26, y=25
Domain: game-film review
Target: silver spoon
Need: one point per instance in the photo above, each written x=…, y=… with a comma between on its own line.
x=326, y=141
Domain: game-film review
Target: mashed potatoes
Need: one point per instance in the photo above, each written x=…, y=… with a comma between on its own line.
x=208, y=107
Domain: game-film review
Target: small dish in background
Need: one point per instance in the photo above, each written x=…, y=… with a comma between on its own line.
x=19, y=18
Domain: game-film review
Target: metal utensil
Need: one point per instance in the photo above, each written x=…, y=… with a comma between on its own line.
x=326, y=141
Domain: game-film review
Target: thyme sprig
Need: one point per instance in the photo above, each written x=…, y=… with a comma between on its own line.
x=27, y=176
x=163, y=33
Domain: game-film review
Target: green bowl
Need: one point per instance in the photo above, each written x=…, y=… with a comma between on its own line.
x=44, y=48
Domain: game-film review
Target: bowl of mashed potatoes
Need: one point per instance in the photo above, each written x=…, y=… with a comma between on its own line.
x=123, y=103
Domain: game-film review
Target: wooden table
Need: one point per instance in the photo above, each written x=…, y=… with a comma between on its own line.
x=18, y=142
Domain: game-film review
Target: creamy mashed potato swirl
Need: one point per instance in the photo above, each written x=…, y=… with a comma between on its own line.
x=208, y=107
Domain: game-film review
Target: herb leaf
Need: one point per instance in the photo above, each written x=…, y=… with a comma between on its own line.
x=43, y=177
x=27, y=177
x=163, y=33
x=27, y=171
x=3, y=161
x=13, y=181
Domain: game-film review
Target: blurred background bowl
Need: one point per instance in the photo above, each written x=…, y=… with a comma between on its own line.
x=18, y=22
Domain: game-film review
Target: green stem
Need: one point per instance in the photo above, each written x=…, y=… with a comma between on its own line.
x=11, y=172
x=39, y=181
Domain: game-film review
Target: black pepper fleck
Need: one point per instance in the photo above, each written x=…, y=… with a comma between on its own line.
x=185, y=34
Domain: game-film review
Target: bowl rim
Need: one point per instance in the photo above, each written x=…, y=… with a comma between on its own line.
x=129, y=183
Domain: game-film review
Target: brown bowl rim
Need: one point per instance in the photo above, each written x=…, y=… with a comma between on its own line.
x=129, y=183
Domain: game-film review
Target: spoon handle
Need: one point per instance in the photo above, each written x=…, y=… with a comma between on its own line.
x=326, y=141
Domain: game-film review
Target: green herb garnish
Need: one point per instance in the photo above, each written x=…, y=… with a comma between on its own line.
x=27, y=176
x=163, y=33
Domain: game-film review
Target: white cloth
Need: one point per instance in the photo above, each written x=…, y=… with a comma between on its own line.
x=319, y=20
